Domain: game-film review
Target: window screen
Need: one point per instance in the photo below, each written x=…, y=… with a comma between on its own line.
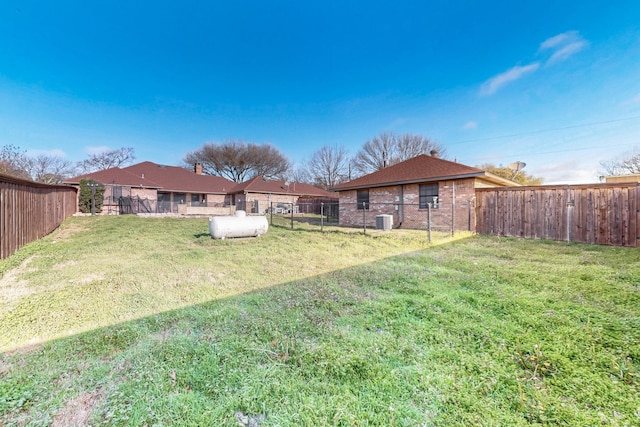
x=363, y=197
x=428, y=194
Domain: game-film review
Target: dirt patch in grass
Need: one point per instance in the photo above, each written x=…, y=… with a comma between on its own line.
x=78, y=411
x=162, y=336
x=4, y=367
x=11, y=288
x=67, y=230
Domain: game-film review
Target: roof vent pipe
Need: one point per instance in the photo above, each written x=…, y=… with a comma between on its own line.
x=434, y=153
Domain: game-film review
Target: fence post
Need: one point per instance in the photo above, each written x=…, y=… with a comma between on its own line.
x=271, y=212
x=321, y=216
x=429, y=221
x=292, y=215
x=570, y=206
x=364, y=216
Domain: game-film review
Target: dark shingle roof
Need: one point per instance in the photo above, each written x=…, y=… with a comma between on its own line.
x=115, y=176
x=421, y=168
x=167, y=178
x=175, y=178
x=260, y=185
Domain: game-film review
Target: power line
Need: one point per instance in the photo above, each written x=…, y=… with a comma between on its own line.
x=544, y=130
x=593, y=147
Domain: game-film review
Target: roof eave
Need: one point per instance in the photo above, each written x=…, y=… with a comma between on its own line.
x=500, y=180
x=411, y=181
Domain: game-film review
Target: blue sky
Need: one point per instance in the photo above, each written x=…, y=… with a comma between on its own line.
x=553, y=84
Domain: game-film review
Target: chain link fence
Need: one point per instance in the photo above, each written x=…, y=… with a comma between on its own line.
x=432, y=217
x=440, y=218
x=125, y=205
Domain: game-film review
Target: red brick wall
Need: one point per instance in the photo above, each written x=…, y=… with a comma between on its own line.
x=402, y=202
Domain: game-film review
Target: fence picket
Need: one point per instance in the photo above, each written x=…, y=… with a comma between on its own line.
x=605, y=214
x=30, y=210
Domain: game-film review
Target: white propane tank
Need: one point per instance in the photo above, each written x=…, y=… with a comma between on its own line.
x=238, y=225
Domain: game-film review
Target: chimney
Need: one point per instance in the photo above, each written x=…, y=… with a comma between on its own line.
x=434, y=153
x=198, y=168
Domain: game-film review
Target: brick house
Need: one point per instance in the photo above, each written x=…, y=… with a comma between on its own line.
x=153, y=188
x=406, y=189
x=257, y=195
x=159, y=189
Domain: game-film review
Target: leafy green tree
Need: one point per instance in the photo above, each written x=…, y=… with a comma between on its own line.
x=84, y=203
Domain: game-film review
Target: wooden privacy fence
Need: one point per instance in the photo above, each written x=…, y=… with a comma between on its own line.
x=30, y=210
x=604, y=214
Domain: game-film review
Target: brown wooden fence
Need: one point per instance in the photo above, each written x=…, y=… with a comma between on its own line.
x=29, y=211
x=604, y=214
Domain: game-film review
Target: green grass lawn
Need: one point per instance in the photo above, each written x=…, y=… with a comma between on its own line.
x=150, y=322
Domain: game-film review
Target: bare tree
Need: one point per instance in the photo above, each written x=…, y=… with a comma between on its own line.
x=328, y=166
x=375, y=153
x=239, y=161
x=300, y=174
x=626, y=164
x=107, y=160
x=388, y=148
x=410, y=145
x=50, y=169
x=14, y=162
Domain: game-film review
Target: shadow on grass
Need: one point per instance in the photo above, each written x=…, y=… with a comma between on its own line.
x=266, y=352
x=451, y=335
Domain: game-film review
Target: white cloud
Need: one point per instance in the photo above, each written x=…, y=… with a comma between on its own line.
x=568, y=172
x=53, y=153
x=492, y=85
x=470, y=125
x=558, y=40
x=563, y=46
x=566, y=51
x=96, y=150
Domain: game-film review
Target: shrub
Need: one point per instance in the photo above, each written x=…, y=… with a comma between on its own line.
x=84, y=204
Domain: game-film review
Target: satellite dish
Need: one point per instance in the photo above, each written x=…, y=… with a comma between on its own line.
x=517, y=166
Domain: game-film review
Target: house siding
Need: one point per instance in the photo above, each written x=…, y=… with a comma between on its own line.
x=259, y=203
x=403, y=203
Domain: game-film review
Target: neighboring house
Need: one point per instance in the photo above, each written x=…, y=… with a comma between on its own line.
x=258, y=195
x=405, y=191
x=622, y=178
x=149, y=187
